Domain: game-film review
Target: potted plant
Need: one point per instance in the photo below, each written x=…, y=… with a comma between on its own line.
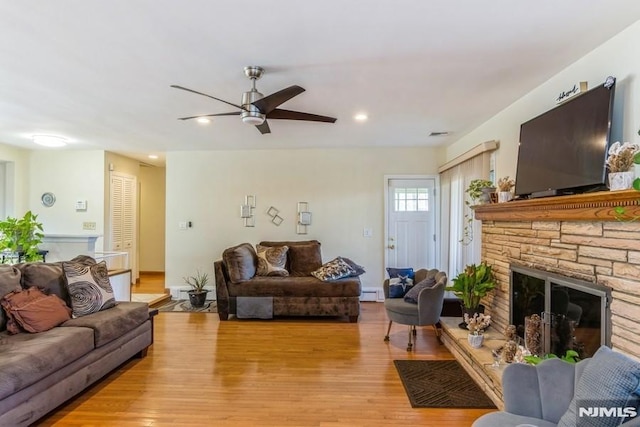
x=20, y=238
x=620, y=162
x=476, y=326
x=479, y=191
x=505, y=188
x=471, y=285
x=197, y=293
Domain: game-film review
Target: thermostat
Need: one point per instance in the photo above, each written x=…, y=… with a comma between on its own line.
x=81, y=205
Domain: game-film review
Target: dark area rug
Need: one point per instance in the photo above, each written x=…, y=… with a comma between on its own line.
x=183, y=305
x=440, y=384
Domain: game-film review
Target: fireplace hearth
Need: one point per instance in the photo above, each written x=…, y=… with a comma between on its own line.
x=575, y=313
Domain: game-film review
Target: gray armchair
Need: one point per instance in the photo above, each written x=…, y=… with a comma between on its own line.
x=426, y=312
x=537, y=395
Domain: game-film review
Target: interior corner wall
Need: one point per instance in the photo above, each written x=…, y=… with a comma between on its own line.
x=344, y=189
x=18, y=194
x=71, y=176
x=152, y=218
x=617, y=57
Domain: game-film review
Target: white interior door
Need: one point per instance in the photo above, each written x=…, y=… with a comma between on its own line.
x=123, y=217
x=411, y=223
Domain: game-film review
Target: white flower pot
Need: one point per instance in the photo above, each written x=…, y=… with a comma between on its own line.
x=621, y=180
x=475, y=341
x=504, y=196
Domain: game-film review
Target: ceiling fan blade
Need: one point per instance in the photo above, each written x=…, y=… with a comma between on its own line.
x=296, y=115
x=264, y=127
x=208, y=96
x=270, y=102
x=210, y=115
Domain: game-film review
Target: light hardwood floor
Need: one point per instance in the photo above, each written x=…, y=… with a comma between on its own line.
x=284, y=372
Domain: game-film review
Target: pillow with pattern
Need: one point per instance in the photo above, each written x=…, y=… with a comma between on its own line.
x=89, y=288
x=359, y=270
x=333, y=270
x=272, y=260
x=400, y=281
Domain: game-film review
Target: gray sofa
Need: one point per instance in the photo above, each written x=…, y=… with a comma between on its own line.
x=298, y=294
x=40, y=371
x=548, y=394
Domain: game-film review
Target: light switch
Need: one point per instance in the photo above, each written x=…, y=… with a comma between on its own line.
x=182, y=225
x=367, y=232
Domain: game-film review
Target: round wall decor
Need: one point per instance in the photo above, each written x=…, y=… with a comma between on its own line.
x=48, y=199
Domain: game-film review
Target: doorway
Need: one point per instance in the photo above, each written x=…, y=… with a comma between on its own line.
x=411, y=222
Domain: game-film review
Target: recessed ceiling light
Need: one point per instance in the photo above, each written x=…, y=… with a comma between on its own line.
x=361, y=117
x=203, y=120
x=153, y=156
x=49, y=140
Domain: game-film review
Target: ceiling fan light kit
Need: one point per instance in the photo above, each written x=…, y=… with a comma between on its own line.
x=257, y=108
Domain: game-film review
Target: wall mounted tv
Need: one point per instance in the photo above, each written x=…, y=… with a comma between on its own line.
x=564, y=150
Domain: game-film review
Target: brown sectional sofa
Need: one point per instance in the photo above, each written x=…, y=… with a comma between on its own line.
x=40, y=371
x=299, y=294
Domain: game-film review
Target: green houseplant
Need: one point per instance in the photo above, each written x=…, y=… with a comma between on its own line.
x=20, y=238
x=478, y=190
x=197, y=293
x=471, y=285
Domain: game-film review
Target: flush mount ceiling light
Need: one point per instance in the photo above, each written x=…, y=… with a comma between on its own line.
x=49, y=140
x=203, y=120
x=360, y=117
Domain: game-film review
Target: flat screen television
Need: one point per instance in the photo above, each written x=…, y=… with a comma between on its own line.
x=564, y=150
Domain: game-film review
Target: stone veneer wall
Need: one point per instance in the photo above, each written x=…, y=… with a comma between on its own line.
x=607, y=253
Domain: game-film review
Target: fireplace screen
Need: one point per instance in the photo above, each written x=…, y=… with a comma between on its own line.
x=575, y=314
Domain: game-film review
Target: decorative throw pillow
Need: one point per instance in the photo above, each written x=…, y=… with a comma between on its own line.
x=609, y=377
x=400, y=281
x=89, y=288
x=304, y=258
x=412, y=294
x=34, y=311
x=333, y=270
x=357, y=268
x=271, y=260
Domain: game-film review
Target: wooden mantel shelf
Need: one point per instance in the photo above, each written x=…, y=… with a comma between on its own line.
x=600, y=206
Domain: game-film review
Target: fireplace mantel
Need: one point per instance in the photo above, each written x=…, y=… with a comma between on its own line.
x=600, y=206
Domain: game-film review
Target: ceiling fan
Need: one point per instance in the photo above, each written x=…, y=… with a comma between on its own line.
x=257, y=108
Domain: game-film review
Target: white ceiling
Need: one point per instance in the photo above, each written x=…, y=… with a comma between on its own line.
x=98, y=72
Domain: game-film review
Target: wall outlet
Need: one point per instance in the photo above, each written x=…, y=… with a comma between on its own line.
x=88, y=225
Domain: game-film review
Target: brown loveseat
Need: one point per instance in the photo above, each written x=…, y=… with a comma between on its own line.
x=298, y=294
x=39, y=371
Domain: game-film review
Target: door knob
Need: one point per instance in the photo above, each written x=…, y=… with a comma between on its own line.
x=391, y=246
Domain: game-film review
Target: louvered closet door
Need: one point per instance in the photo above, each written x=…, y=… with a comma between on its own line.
x=123, y=217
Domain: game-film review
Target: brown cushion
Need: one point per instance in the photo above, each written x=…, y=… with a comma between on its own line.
x=33, y=311
x=49, y=277
x=303, y=259
x=241, y=262
x=89, y=287
x=271, y=260
x=291, y=244
x=9, y=282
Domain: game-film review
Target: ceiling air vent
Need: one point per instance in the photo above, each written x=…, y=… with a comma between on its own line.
x=439, y=134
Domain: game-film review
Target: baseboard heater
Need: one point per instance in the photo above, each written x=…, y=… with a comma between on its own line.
x=372, y=294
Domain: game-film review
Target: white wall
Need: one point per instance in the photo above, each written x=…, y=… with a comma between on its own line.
x=617, y=57
x=152, y=218
x=344, y=188
x=17, y=192
x=71, y=176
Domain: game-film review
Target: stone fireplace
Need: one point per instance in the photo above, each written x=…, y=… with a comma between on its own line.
x=583, y=237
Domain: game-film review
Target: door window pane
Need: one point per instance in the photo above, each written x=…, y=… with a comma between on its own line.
x=411, y=200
